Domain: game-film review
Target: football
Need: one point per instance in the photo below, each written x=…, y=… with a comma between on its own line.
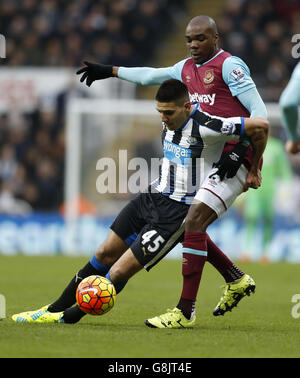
x=96, y=295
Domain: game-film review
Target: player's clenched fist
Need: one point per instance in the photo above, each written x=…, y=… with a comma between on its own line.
x=292, y=147
x=94, y=71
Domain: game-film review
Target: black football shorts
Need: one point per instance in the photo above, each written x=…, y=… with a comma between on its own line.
x=151, y=224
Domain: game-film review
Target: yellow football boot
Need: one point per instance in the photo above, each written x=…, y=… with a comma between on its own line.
x=233, y=293
x=39, y=316
x=171, y=319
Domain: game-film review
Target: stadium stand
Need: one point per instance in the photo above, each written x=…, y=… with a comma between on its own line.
x=62, y=34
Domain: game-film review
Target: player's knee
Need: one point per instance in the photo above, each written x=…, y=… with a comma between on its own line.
x=195, y=220
x=193, y=224
x=199, y=217
x=105, y=255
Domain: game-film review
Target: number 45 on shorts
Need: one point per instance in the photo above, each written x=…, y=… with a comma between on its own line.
x=151, y=241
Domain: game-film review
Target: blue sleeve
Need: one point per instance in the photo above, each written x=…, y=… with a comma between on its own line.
x=236, y=75
x=289, y=102
x=242, y=126
x=253, y=103
x=149, y=75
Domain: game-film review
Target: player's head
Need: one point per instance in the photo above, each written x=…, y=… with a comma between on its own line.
x=202, y=38
x=172, y=103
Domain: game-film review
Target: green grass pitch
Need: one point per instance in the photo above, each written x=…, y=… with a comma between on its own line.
x=261, y=326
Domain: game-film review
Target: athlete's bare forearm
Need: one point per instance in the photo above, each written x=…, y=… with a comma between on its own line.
x=257, y=129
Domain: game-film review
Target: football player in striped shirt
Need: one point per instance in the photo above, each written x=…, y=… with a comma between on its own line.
x=154, y=222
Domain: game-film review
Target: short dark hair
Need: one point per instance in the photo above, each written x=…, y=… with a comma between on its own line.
x=172, y=90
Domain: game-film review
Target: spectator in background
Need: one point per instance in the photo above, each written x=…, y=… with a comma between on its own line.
x=47, y=184
x=9, y=204
x=8, y=163
x=49, y=33
x=62, y=33
x=31, y=162
x=288, y=9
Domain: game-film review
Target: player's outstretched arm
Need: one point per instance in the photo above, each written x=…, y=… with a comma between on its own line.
x=139, y=75
x=95, y=71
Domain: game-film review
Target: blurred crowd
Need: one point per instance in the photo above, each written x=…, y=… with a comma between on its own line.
x=260, y=32
x=62, y=33
x=31, y=161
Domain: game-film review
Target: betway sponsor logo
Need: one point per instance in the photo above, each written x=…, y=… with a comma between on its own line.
x=207, y=99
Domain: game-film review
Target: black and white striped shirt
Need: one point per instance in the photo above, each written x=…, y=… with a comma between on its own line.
x=190, y=151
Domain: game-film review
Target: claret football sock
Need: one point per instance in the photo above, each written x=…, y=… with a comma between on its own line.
x=194, y=256
x=68, y=297
x=222, y=263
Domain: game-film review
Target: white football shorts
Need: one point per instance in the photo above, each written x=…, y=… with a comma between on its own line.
x=220, y=195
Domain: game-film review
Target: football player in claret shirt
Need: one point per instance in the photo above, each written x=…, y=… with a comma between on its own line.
x=152, y=223
x=221, y=83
